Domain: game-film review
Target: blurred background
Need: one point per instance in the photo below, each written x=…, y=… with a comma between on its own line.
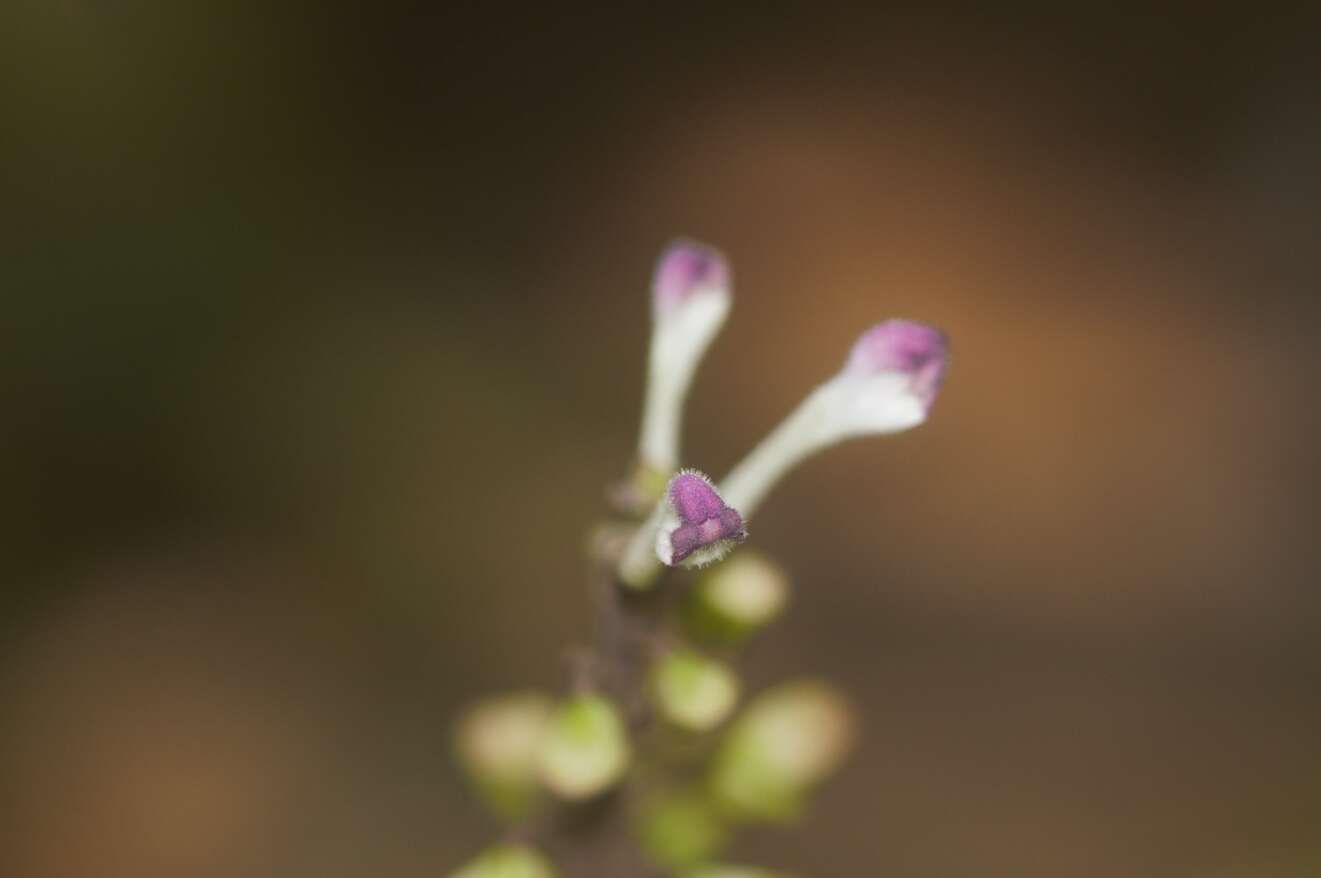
x=324, y=329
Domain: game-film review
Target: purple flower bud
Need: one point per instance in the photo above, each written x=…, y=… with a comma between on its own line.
x=685, y=269
x=698, y=527
x=904, y=346
x=690, y=300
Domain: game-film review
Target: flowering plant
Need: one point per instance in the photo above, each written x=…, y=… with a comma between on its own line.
x=647, y=766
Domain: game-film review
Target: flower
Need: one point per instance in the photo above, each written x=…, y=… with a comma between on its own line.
x=686, y=270
x=732, y=600
x=888, y=384
x=698, y=527
x=690, y=298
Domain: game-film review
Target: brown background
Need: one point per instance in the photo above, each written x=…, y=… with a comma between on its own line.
x=324, y=328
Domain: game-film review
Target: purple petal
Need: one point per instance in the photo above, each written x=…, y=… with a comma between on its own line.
x=731, y=523
x=704, y=518
x=685, y=268
x=914, y=349
x=685, y=541
x=694, y=498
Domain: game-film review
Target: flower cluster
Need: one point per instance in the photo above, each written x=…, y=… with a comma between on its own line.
x=526, y=751
x=889, y=383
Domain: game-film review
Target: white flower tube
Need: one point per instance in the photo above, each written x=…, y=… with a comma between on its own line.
x=888, y=384
x=690, y=298
x=507, y=861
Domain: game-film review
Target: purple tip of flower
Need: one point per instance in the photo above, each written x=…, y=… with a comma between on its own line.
x=704, y=518
x=914, y=349
x=694, y=498
x=684, y=268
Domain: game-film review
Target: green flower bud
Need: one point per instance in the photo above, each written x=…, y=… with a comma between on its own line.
x=692, y=691
x=648, y=485
x=586, y=748
x=733, y=872
x=787, y=741
x=681, y=830
x=498, y=741
x=507, y=861
x=734, y=599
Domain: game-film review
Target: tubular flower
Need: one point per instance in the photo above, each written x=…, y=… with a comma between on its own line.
x=888, y=384
x=690, y=298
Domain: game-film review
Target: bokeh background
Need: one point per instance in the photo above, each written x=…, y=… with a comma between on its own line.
x=324, y=328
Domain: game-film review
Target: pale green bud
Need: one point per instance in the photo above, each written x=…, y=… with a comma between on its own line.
x=692, y=691
x=586, y=748
x=498, y=741
x=734, y=599
x=889, y=383
x=733, y=872
x=507, y=861
x=680, y=830
x=691, y=296
x=787, y=741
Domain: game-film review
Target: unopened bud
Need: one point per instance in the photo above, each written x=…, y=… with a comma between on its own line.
x=733, y=872
x=690, y=299
x=736, y=598
x=507, y=861
x=888, y=384
x=680, y=829
x=586, y=748
x=694, y=692
x=786, y=742
x=698, y=527
x=691, y=527
x=498, y=741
